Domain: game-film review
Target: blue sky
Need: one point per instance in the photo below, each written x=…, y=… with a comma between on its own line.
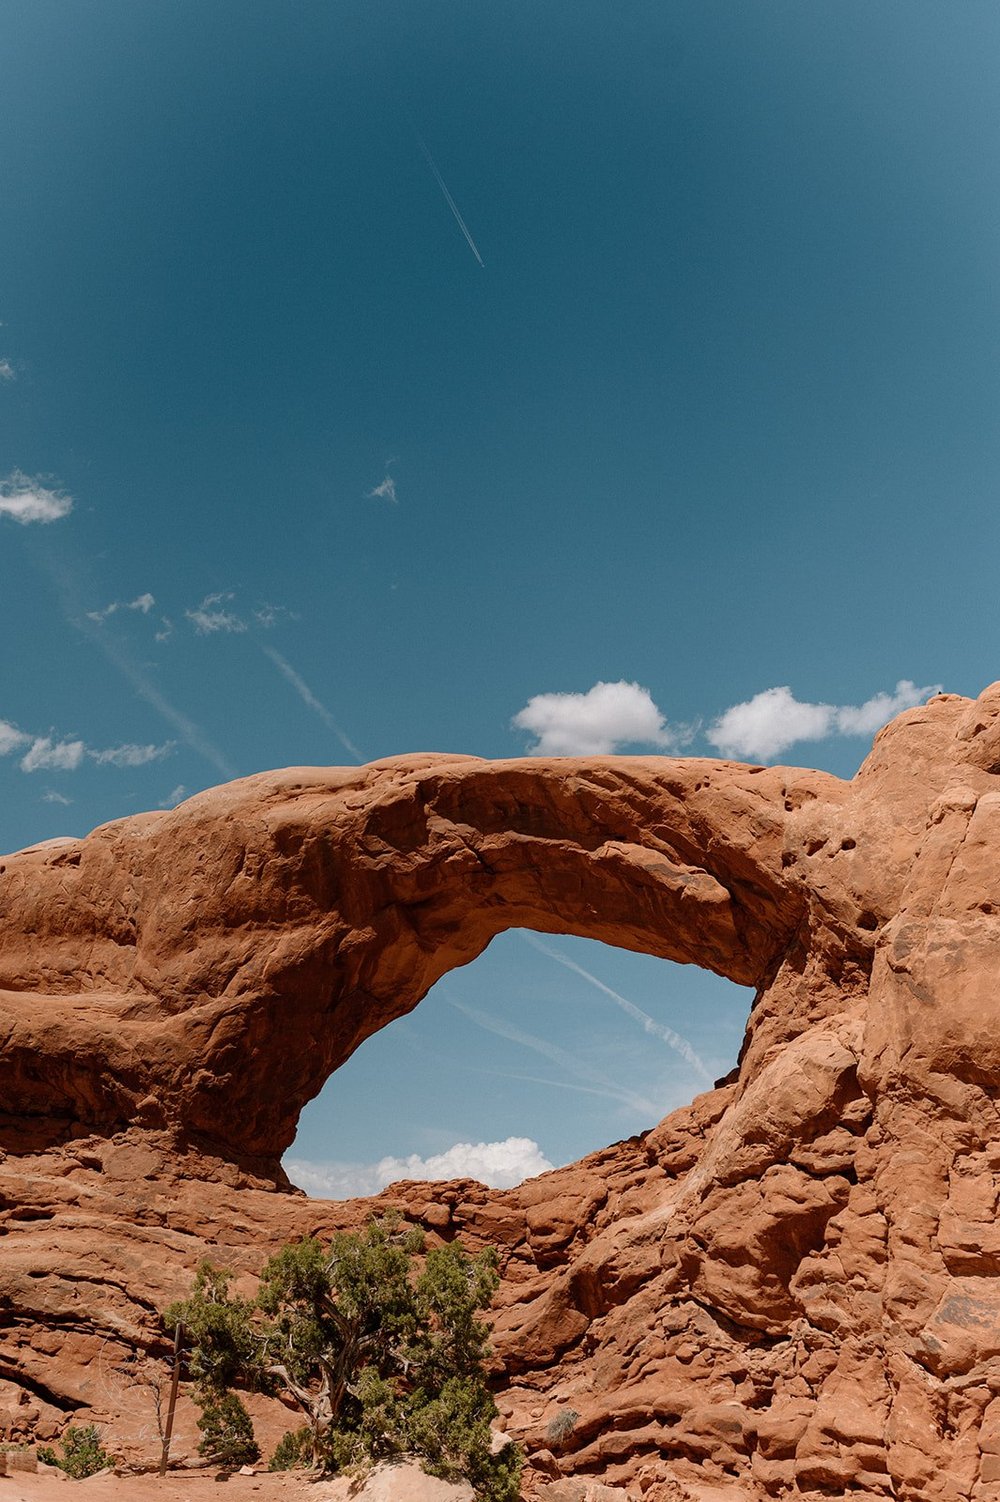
x=386, y=378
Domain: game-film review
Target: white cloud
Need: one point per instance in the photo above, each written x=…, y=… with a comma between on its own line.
x=766, y=725
x=877, y=711
x=28, y=500
x=267, y=615
x=208, y=618
x=143, y=603
x=11, y=738
x=7, y=371
x=44, y=754
x=130, y=755
x=177, y=796
x=596, y=723
x=385, y=492
x=501, y=1165
x=53, y=797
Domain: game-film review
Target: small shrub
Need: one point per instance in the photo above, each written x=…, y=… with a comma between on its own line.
x=227, y=1432
x=561, y=1427
x=82, y=1453
x=293, y=1449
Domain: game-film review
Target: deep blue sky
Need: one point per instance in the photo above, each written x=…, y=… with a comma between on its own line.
x=717, y=415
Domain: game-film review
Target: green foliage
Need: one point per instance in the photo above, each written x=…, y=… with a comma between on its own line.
x=452, y=1432
x=227, y=1431
x=294, y=1448
x=383, y=1359
x=224, y=1344
x=82, y=1453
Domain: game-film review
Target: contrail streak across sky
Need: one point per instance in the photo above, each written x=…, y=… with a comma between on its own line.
x=307, y=696
x=559, y=1056
x=432, y=164
x=649, y=1024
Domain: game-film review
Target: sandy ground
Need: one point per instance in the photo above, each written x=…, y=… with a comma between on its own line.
x=399, y=1484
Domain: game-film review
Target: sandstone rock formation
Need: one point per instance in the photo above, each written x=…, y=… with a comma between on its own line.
x=790, y=1287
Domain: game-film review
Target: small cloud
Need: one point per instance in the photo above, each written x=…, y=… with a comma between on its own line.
x=177, y=796
x=167, y=629
x=11, y=738
x=7, y=371
x=208, y=618
x=27, y=500
x=143, y=603
x=130, y=755
x=53, y=797
x=384, y=492
x=763, y=727
x=44, y=754
x=267, y=616
x=501, y=1165
x=596, y=723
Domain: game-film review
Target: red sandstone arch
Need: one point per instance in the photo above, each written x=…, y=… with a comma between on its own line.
x=207, y=968
x=822, y=1232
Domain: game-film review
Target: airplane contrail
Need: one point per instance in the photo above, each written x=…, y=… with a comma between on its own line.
x=649, y=1024
x=432, y=164
x=558, y=1056
x=307, y=696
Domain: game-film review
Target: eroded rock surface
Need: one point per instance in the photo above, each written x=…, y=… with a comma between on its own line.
x=790, y=1287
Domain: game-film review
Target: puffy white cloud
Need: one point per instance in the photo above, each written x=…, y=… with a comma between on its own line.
x=866, y=718
x=177, y=796
x=130, y=755
x=44, y=754
x=11, y=738
x=763, y=727
x=7, y=371
x=28, y=500
x=596, y=723
x=143, y=603
x=208, y=617
x=501, y=1165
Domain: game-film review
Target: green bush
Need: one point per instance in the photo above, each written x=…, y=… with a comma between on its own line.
x=293, y=1449
x=82, y=1453
x=227, y=1431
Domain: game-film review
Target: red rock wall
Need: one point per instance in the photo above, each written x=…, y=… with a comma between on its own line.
x=790, y=1286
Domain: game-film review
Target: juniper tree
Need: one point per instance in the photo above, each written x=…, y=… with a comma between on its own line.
x=383, y=1355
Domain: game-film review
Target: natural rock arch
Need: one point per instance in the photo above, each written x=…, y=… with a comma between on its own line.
x=795, y=1281
x=206, y=969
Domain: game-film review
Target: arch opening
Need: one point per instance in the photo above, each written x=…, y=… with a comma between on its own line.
x=540, y=1051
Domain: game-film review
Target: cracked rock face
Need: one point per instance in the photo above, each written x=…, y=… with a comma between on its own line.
x=791, y=1286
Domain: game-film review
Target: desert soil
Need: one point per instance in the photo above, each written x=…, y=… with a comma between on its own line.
x=398, y=1484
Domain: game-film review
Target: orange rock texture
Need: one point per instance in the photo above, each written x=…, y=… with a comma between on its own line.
x=791, y=1287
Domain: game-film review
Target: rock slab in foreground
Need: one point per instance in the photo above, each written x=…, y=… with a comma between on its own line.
x=791, y=1287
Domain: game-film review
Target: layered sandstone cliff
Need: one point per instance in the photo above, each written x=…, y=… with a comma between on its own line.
x=793, y=1286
